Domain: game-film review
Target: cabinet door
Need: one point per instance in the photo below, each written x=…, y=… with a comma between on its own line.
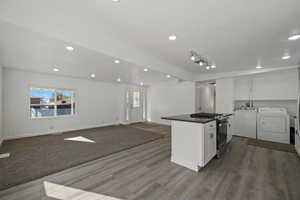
x=242, y=88
x=276, y=85
x=245, y=123
x=210, y=142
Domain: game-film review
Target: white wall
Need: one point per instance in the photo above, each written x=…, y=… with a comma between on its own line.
x=97, y=104
x=1, y=113
x=224, y=95
x=170, y=99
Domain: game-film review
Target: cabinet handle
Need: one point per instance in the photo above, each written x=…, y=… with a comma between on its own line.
x=211, y=125
x=211, y=135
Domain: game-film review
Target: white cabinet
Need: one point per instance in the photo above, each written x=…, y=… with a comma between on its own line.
x=242, y=88
x=193, y=145
x=210, y=143
x=282, y=85
x=279, y=85
x=245, y=123
x=229, y=128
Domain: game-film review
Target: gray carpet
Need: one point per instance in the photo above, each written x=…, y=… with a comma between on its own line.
x=36, y=157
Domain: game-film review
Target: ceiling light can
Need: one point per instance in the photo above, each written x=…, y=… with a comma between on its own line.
x=294, y=37
x=69, y=48
x=172, y=37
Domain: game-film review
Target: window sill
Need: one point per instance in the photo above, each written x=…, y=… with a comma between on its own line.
x=54, y=117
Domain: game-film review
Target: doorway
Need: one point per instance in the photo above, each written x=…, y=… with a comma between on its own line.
x=135, y=106
x=206, y=97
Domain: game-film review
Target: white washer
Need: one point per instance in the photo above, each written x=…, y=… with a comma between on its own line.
x=273, y=124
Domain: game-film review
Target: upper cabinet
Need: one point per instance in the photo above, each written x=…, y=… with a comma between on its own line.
x=242, y=88
x=278, y=85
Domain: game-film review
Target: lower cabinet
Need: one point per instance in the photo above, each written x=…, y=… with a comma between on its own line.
x=193, y=144
x=209, y=142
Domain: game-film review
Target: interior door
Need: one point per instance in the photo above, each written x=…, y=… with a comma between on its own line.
x=135, y=105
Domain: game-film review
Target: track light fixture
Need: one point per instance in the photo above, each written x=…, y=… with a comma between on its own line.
x=200, y=60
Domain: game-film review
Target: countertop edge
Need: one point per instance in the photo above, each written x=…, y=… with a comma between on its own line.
x=186, y=120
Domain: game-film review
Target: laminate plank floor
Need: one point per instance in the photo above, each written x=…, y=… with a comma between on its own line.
x=145, y=172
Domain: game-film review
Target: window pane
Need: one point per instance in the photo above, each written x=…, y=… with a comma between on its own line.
x=48, y=102
x=136, y=99
x=43, y=97
x=63, y=97
x=42, y=111
x=64, y=109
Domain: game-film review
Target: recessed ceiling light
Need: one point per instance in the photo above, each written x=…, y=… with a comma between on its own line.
x=116, y=1
x=116, y=61
x=213, y=66
x=201, y=63
x=285, y=57
x=145, y=70
x=168, y=76
x=207, y=67
x=93, y=75
x=55, y=69
x=69, y=48
x=172, y=37
x=294, y=37
x=193, y=58
x=118, y=79
x=141, y=83
x=259, y=67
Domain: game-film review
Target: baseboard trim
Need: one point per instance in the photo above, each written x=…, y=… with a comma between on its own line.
x=60, y=131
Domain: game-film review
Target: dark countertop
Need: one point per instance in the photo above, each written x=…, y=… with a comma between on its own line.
x=188, y=118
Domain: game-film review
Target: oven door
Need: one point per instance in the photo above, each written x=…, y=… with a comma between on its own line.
x=221, y=133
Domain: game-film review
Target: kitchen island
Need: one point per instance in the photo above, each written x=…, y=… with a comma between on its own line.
x=194, y=138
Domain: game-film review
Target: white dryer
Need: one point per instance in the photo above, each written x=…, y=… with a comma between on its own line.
x=273, y=124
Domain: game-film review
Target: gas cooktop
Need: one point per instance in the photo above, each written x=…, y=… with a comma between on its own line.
x=205, y=115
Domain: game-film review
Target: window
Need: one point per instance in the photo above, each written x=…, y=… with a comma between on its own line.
x=46, y=102
x=136, y=99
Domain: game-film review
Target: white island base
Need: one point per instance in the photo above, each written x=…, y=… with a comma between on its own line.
x=193, y=144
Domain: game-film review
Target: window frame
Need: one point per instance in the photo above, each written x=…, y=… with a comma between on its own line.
x=55, y=104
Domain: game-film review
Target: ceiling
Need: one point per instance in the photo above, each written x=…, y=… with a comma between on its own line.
x=234, y=34
x=29, y=51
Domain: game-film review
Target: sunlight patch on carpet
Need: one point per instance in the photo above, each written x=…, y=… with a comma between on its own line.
x=4, y=155
x=80, y=139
